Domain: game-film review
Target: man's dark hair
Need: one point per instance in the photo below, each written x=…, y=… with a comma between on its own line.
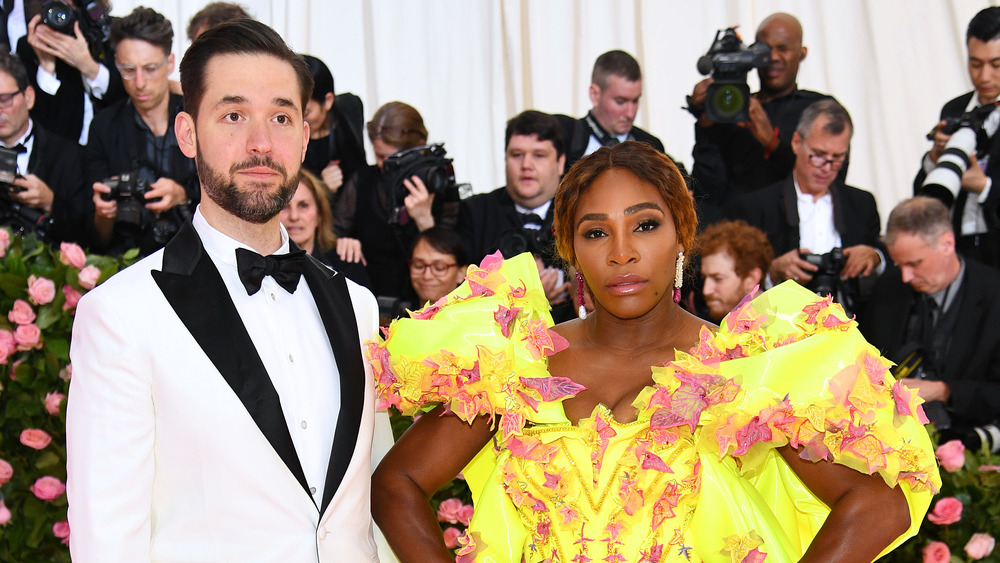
x=146, y=25
x=616, y=63
x=12, y=65
x=984, y=26
x=236, y=37
x=213, y=14
x=544, y=126
x=322, y=78
x=838, y=116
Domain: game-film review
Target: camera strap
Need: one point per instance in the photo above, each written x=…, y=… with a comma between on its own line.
x=606, y=139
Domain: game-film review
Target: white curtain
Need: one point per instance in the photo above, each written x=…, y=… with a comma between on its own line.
x=469, y=65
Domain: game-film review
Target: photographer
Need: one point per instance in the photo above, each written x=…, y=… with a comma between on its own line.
x=518, y=217
x=812, y=212
x=70, y=69
x=135, y=136
x=734, y=159
x=50, y=198
x=385, y=212
x=934, y=314
x=976, y=208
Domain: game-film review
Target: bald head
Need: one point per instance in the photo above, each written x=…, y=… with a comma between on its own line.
x=783, y=33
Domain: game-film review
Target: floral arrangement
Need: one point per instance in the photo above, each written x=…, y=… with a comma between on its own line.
x=39, y=289
x=963, y=521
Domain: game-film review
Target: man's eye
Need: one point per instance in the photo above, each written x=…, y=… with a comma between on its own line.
x=283, y=119
x=233, y=116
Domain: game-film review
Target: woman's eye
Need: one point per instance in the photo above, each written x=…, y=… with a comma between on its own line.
x=593, y=233
x=648, y=225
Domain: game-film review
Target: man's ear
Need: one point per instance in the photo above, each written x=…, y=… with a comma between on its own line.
x=187, y=138
x=796, y=142
x=29, y=97
x=595, y=94
x=561, y=163
x=802, y=55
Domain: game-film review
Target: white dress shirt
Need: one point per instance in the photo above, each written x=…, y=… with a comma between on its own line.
x=292, y=342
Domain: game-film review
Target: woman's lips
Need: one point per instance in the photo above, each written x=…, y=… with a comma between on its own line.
x=626, y=284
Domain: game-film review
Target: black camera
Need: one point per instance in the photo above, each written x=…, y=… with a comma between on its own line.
x=826, y=280
x=536, y=241
x=970, y=134
x=20, y=217
x=728, y=97
x=95, y=24
x=976, y=438
x=129, y=190
x=427, y=162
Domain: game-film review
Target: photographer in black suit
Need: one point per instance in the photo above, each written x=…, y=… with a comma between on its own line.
x=50, y=196
x=136, y=136
x=976, y=208
x=935, y=316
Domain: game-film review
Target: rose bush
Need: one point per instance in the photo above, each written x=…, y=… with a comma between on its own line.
x=964, y=515
x=39, y=290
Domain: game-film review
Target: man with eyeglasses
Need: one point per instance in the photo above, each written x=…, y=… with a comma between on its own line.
x=45, y=194
x=135, y=137
x=811, y=212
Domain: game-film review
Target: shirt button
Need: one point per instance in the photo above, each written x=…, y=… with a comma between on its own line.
x=312, y=490
x=304, y=424
x=272, y=297
x=291, y=359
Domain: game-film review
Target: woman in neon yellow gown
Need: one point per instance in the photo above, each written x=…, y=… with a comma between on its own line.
x=638, y=434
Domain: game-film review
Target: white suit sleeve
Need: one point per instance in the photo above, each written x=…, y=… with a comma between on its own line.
x=109, y=434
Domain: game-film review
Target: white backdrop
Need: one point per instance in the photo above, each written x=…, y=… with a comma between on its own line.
x=469, y=65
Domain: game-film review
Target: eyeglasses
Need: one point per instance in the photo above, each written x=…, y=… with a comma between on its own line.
x=7, y=100
x=438, y=268
x=820, y=161
x=129, y=72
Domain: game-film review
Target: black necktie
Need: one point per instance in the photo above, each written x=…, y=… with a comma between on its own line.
x=286, y=269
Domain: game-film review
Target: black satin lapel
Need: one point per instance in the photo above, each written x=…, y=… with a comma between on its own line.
x=196, y=292
x=330, y=292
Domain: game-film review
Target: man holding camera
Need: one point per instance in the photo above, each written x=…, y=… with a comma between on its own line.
x=811, y=211
x=144, y=186
x=934, y=314
x=733, y=159
x=69, y=60
x=975, y=208
x=45, y=193
x=518, y=217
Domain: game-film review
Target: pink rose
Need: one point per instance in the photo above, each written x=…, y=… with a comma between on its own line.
x=35, y=438
x=4, y=241
x=72, y=255
x=72, y=297
x=28, y=337
x=979, y=546
x=52, y=402
x=7, y=345
x=41, y=291
x=67, y=372
x=448, y=510
x=937, y=552
x=6, y=472
x=465, y=514
x=451, y=534
x=61, y=531
x=947, y=511
x=88, y=277
x=4, y=511
x=952, y=455
x=21, y=313
x=48, y=488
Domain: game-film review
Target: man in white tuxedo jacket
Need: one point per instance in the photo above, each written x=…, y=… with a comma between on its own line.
x=221, y=408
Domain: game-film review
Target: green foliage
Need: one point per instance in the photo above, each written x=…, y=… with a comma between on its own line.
x=977, y=485
x=26, y=377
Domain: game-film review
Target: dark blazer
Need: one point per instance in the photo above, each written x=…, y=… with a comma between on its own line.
x=484, y=219
x=991, y=207
x=577, y=133
x=972, y=364
x=192, y=285
x=62, y=113
x=773, y=210
x=58, y=162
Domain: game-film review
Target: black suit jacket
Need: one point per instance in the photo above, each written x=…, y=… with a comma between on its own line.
x=991, y=207
x=62, y=113
x=59, y=163
x=197, y=293
x=972, y=364
x=577, y=134
x=774, y=211
x=485, y=219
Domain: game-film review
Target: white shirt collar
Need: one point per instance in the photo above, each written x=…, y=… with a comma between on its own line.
x=223, y=247
x=801, y=196
x=541, y=210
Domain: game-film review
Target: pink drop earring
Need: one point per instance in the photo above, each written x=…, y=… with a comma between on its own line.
x=678, y=276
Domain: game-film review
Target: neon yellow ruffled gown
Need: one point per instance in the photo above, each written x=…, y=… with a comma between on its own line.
x=696, y=477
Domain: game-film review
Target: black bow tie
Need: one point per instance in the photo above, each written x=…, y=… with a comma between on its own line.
x=286, y=269
x=19, y=148
x=531, y=219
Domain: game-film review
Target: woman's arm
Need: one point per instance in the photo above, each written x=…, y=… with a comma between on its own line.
x=426, y=457
x=866, y=515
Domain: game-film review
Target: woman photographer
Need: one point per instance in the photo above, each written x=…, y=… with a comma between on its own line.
x=368, y=206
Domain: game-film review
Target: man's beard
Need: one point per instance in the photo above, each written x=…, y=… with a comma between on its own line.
x=256, y=206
